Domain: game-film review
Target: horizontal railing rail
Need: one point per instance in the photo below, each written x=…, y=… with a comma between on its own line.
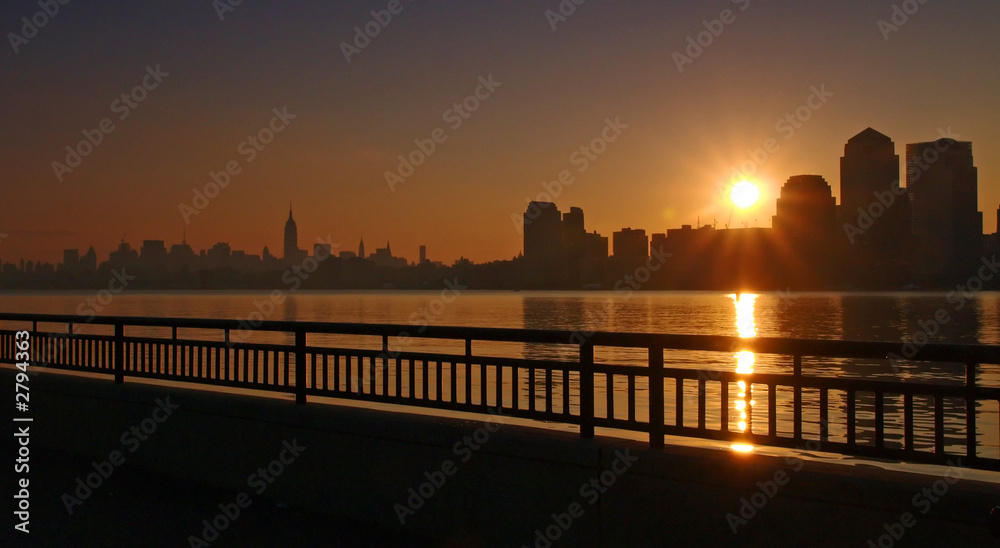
x=895, y=418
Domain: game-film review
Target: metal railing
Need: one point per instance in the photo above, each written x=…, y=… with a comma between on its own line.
x=562, y=391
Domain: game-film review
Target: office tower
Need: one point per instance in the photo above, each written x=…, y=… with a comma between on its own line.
x=872, y=203
x=947, y=226
x=88, y=262
x=630, y=245
x=544, y=245
x=322, y=251
x=71, y=259
x=291, y=238
x=361, y=248
x=423, y=254
x=806, y=208
x=153, y=253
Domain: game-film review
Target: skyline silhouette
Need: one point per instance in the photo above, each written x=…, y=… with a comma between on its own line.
x=925, y=235
x=263, y=96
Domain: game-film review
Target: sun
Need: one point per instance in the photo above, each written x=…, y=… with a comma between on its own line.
x=744, y=194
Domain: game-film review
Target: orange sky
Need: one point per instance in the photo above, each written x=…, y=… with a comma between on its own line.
x=557, y=88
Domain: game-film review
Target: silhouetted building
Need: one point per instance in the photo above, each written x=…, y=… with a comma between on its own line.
x=874, y=214
x=383, y=257
x=123, y=257
x=182, y=256
x=544, y=245
x=361, y=249
x=292, y=251
x=423, y=254
x=947, y=225
x=88, y=263
x=323, y=251
x=71, y=259
x=806, y=208
x=153, y=253
x=218, y=256
x=630, y=246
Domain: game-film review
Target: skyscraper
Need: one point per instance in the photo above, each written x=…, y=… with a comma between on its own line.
x=544, y=244
x=291, y=238
x=869, y=185
x=806, y=208
x=947, y=226
x=874, y=215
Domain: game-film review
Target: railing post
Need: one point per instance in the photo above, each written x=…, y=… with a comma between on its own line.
x=586, y=390
x=119, y=353
x=656, y=397
x=797, y=404
x=970, y=409
x=300, y=366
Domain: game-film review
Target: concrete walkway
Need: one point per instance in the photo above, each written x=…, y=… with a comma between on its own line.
x=136, y=508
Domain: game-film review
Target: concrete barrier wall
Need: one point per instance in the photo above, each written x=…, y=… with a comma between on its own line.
x=498, y=484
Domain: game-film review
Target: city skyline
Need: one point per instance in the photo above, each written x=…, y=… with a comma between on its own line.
x=867, y=171
x=668, y=131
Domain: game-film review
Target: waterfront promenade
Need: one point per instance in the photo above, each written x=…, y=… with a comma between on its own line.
x=478, y=466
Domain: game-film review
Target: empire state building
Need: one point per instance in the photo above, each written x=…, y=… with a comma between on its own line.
x=292, y=251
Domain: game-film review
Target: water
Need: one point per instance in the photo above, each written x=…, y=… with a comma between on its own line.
x=974, y=318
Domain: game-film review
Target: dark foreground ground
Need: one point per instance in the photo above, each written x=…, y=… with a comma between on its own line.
x=135, y=508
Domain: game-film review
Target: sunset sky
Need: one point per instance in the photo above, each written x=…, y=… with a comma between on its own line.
x=610, y=60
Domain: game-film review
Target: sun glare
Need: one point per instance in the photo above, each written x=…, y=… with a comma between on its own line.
x=744, y=194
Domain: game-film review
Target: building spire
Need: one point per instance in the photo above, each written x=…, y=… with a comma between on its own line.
x=289, y=210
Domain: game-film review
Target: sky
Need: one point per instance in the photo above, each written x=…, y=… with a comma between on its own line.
x=663, y=123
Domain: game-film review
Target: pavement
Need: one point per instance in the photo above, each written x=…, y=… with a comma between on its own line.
x=136, y=508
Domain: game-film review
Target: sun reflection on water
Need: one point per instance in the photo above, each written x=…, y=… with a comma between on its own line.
x=746, y=328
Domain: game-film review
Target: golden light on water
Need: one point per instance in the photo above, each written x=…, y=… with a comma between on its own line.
x=746, y=328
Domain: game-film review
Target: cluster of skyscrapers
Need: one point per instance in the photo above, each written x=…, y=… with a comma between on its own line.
x=882, y=235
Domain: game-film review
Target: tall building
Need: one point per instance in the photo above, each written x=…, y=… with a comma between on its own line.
x=292, y=252
x=89, y=260
x=874, y=215
x=153, y=253
x=423, y=254
x=630, y=246
x=361, y=248
x=544, y=245
x=806, y=208
x=71, y=259
x=947, y=226
x=869, y=186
